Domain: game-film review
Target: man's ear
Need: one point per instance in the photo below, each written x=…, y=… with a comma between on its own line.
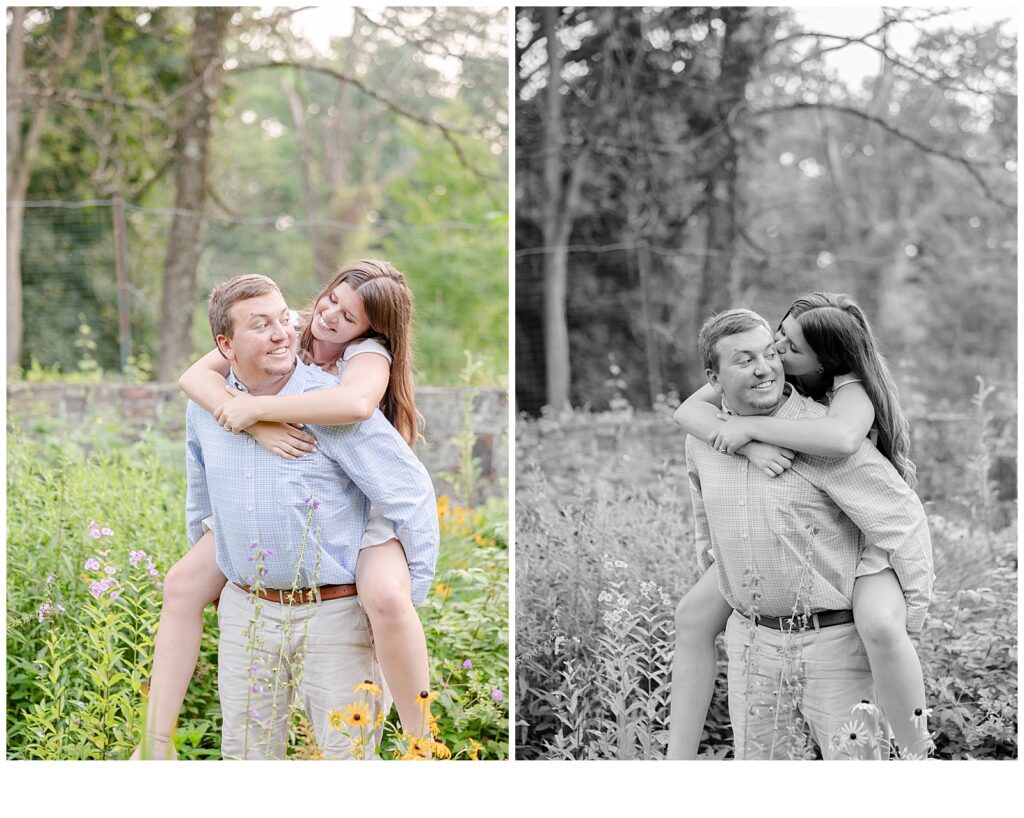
x=224, y=345
x=713, y=380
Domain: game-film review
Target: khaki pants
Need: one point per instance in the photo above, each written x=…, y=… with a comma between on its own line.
x=273, y=656
x=778, y=682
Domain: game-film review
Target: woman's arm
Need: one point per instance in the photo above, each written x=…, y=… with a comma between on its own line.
x=698, y=414
x=205, y=381
x=363, y=383
x=839, y=434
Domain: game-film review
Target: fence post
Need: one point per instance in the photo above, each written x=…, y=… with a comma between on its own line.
x=123, y=317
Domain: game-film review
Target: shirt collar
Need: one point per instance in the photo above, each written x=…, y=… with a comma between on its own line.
x=295, y=385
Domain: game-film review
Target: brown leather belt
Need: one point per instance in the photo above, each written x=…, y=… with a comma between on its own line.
x=300, y=596
x=817, y=621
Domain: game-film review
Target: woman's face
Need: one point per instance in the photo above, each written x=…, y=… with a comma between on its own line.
x=797, y=356
x=339, y=317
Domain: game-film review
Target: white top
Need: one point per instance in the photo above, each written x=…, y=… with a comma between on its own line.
x=367, y=345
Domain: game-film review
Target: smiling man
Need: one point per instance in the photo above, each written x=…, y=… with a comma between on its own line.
x=288, y=534
x=786, y=550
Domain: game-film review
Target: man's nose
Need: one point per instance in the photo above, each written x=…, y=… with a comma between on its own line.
x=761, y=365
x=280, y=330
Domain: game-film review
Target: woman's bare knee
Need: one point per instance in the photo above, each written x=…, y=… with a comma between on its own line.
x=386, y=599
x=881, y=627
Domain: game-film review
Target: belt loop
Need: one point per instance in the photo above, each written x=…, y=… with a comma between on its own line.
x=316, y=594
x=817, y=626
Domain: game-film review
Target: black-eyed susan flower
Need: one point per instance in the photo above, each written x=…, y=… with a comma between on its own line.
x=920, y=717
x=474, y=752
x=854, y=734
x=418, y=749
x=424, y=698
x=443, y=591
x=441, y=750
x=866, y=707
x=433, y=726
x=366, y=686
x=336, y=719
x=356, y=714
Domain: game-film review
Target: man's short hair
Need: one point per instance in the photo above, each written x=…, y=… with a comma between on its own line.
x=721, y=325
x=228, y=293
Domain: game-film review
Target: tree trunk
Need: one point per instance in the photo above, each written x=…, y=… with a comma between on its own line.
x=556, y=253
x=204, y=77
x=718, y=275
x=21, y=153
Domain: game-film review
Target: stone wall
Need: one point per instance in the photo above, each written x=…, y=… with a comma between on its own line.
x=162, y=407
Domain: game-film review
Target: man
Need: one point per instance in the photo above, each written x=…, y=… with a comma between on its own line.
x=288, y=535
x=787, y=550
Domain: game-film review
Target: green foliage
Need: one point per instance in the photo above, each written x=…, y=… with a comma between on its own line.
x=76, y=672
x=604, y=551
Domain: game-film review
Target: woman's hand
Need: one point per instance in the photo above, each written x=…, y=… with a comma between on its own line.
x=239, y=413
x=283, y=439
x=772, y=460
x=732, y=435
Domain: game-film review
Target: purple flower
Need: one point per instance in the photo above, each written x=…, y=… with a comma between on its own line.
x=97, y=589
x=255, y=714
x=44, y=611
x=467, y=664
x=106, y=532
x=60, y=608
x=253, y=544
x=115, y=594
x=50, y=580
x=91, y=565
x=95, y=533
x=153, y=572
x=135, y=557
x=268, y=552
x=497, y=695
x=313, y=502
x=109, y=569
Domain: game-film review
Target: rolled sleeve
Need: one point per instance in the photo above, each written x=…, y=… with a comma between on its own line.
x=197, y=497
x=871, y=492
x=385, y=469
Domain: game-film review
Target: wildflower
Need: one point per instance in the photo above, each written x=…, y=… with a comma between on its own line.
x=44, y=611
x=467, y=664
x=106, y=532
x=109, y=570
x=336, y=719
x=433, y=726
x=268, y=552
x=312, y=502
x=443, y=591
x=91, y=565
x=97, y=589
x=497, y=695
x=253, y=544
x=135, y=557
x=854, y=734
x=441, y=750
x=379, y=721
x=356, y=714
x=256, y=714
x=418, y=750
x=920, y=717
x=153, y=572
x=60, y=608
x=94, y=532
x=366, y=686
x=424, y=699
x=475, y=747
x=50, y=580
x=115, y=594
x=865, y=707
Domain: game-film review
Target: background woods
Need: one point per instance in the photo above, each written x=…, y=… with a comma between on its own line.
x=237, y=144
x=671, y=162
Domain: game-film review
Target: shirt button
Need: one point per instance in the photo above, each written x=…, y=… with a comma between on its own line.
x=248, y=475
x=744, y=536
x=743, y=502
x=249, y=508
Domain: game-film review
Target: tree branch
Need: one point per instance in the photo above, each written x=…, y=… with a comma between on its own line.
x=970, y=166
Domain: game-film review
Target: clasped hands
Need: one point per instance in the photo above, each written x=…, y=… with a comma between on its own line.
x=239, y=413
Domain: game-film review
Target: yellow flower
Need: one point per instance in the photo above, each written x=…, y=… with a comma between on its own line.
x=336, y=719
x=379, y=720
x=441, y=750
x=479, y=539
x=435, y=728
x=424, y=699
x=443, y=591
x=474, y=752
x=356, y=714
x=367, y=686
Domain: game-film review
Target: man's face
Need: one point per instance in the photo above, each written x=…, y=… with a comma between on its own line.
x=263, y=341
x=750, y=377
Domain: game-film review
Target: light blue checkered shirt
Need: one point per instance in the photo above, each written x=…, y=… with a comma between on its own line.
x=311, y=512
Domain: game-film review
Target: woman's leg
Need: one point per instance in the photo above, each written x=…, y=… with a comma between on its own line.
x=385, y=591
x=193, y=582
x=880, y=612
x=700, y=616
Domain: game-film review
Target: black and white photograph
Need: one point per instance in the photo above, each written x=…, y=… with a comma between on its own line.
x=765, y=383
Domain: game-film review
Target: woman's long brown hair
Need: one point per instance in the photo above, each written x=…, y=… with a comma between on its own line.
x=388, y=302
